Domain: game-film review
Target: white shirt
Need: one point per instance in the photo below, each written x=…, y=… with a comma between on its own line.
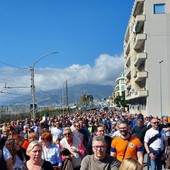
x=159, y=142
x=57, y=133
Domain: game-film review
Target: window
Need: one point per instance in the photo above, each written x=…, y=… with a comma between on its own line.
x=123, y=81
x=159, y=8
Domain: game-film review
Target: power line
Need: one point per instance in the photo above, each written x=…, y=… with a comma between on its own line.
x=12, y=65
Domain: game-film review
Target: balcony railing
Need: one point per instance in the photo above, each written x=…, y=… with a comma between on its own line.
x=140, y=58
x=128, y=72
x=127, y=60
x=141, y=93
x=139, y=23
x=127, y=48
x=139, y=41
x=137, y=94
x=138, y=7
x=140, y=75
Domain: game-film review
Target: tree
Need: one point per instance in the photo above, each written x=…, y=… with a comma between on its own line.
x=120, y=100
x=86, y=100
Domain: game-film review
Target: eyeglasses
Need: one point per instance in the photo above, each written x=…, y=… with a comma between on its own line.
x=78, y=126
x=99, y=147
x=67, y=134
x=155, y=122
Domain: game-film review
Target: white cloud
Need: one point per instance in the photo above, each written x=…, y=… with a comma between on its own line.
x=104, y=72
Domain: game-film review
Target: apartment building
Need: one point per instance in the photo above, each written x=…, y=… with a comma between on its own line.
x=120, y=85
x=147, y=58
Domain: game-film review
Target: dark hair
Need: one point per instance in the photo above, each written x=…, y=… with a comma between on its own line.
x=65, y=152
x=10, y=145
x=100, y=125
x=124, y=122
x=140, y=116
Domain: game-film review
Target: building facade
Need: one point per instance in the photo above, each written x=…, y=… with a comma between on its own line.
x=120, y=85
x=147, y=58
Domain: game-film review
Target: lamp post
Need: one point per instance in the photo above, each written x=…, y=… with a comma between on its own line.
x=160, y=62
x=32, y=81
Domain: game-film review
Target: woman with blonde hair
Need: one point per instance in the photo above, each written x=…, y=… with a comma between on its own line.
x=130, y=164
x=34, y=151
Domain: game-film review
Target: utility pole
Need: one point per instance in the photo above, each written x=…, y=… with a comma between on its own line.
x=67, y=95
x=32, y=92
x=67, y=107
x=33, y=105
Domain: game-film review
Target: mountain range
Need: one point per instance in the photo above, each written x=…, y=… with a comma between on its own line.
x=58, y=97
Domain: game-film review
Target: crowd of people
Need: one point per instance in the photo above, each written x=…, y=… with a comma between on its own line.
x=93, y=140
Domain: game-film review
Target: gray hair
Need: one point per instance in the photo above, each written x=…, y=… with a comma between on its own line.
x=99, y=138
x=66, y=128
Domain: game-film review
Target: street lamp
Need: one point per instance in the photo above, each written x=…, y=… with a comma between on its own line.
x=32, y=81
x=160, y=62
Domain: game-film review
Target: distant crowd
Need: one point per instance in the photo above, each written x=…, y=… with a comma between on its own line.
x=95, y=140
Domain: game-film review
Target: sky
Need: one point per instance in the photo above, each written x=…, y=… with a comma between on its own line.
x=87, y=34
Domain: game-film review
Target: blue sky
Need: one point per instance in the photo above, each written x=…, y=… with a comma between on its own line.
x=88, y=34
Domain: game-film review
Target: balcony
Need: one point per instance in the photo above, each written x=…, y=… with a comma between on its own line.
x=128, y=84
x=127, y=94
x=117, y=88
x=140, y=58
x=138, y=7
x=127, y=60
x=137, y=94
x=141, y=93
x=139, y=23
x=127, y=34
x=140, y=75
x=139, y=41
x=128, y=72
x=127, y=48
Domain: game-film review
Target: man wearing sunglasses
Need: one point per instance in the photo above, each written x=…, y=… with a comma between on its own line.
x=155, y=144
x=99, y=160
